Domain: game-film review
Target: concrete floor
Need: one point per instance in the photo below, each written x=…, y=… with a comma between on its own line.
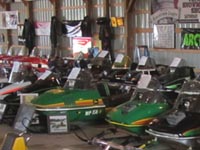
x=69, y=141
x=63, y=141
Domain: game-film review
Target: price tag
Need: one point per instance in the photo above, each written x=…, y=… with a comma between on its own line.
x=144, y=81
x=119, y=58
x=103, y=54
x=74, y=73
x=176, y=62
x=143, y=61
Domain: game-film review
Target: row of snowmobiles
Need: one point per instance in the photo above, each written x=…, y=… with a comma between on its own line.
x=161, y=114
x=142, y=98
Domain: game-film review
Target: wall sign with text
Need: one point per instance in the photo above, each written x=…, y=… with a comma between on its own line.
x=8, y=19
x=190, y=38
x=164, y=36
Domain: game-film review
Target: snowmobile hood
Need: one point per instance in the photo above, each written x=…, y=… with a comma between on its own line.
x=14, y=87
x=138, y=111
x=181, y=124
x=139, y=114
x=61, y=97
x=183, y=120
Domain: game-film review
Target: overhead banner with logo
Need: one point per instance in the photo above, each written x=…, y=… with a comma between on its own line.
x=169, y=11
x=164, y=11
x=189, y=10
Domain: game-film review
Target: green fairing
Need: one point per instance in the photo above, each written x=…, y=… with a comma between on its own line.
x=68, y=97
x=173, y=87
x=194, y=132
x=141, y=111
x=79, y=114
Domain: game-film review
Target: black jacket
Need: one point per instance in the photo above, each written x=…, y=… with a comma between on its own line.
x=28, y=34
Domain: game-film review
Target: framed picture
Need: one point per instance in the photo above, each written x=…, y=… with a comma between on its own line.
x=164, y=36
x=25, y=98
x=57, y=124
x=2, y=110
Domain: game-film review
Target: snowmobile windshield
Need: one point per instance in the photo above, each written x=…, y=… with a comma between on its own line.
x=84, y=80
x=149, y=97
x=191, y=87
x=4, y=72
x=188, y=103
x=21, y=73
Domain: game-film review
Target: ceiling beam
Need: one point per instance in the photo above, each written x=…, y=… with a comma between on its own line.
x=25, y=2
x=52, y=1
x=2, y=4
x=129, y=41
x=130, y=5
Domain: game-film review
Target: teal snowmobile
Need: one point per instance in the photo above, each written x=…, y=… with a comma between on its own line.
x=80, y=99
x=84, y=96
x=158, y=96
x=135, y=114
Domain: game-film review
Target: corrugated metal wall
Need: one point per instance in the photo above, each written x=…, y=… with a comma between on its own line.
x=13, y=34
x=142, y=23
x=70, y=10
x=117, y=10
x=43, y=10
x=162, y=56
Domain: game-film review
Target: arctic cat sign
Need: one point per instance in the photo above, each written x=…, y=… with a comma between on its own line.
x=190, y=39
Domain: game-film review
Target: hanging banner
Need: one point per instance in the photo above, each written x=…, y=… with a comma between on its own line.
x=190, y=38
x=189, y=10
x=8, y=19
x=42, y=28
x=72, y=28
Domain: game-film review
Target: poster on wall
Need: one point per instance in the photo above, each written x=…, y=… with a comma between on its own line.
x=42, y=28
x=164, y=11
x=190, y=38
x=81, y=46
x=189, y=10
x=8, y=19
x=164, y=36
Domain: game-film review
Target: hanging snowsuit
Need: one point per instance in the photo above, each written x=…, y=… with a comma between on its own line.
x=53, y=35
x=86, y=27
x=105, y=35
x=28, y=34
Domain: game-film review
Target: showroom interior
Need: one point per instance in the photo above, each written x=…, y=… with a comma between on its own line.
x=99, y=74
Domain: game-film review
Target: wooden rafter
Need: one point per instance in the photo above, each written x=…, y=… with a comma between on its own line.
x=52, y=1
x=130, y=5
x=25, y=2
x=128, y=31
x=2, y=4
